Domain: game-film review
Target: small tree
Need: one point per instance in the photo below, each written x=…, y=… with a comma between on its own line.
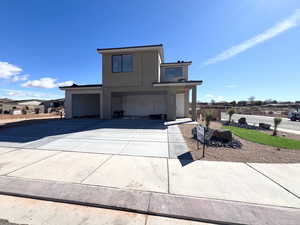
x=230, y=112
x=277, y=121
x=208, y=116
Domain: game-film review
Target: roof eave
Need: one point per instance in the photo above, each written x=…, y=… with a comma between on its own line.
x=132, y=49
x=187, y=83
x=176, y=63
x=100, y=50
x=92, y=86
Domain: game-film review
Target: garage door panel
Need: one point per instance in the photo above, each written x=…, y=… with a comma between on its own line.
x=85, y=105
x=144, y=105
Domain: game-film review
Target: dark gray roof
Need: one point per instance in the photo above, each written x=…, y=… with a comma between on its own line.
x=79, y=86
x=177, y=62
x=179, y=82
x=141, y=46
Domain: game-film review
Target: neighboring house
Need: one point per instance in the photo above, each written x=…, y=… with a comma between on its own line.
x=53, y=105
x=136, y=82
x=17, y=107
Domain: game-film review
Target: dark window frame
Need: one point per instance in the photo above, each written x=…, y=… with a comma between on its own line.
x=121, y=71
x=175, y=67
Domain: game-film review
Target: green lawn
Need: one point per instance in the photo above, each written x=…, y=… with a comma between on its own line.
x=263, y=138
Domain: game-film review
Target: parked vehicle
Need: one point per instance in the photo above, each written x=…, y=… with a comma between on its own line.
x=294, y=115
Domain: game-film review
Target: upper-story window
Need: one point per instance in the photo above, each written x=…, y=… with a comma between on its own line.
x=173, y=74
x=122, y=63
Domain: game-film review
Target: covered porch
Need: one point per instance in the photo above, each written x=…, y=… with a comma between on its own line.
x=183, y=88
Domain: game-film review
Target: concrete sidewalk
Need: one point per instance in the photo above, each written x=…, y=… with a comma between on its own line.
x=145, y=184
x=36, y=212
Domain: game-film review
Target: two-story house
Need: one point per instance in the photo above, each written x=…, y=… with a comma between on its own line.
x=136, y=82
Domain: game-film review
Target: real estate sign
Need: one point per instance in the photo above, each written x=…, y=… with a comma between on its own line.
x=201, y=134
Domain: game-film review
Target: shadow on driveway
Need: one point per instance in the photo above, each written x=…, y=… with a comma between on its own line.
x=32, y=130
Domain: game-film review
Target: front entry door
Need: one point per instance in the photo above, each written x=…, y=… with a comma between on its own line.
x=179, y=105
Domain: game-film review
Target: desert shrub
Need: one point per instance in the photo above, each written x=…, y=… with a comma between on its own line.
x=230, y=112
x=215, y=114
x=208, y=116
x=277, y=121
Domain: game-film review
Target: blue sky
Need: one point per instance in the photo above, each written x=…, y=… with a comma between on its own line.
x=239, y=48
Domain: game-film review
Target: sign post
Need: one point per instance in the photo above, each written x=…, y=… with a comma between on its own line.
x=201, y=138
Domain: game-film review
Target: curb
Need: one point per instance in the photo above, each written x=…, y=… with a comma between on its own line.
x=158, y=204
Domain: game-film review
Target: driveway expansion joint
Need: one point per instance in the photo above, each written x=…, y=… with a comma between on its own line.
x=273, y=181
x=168, y=174
x=12, y=150
x=32, y=163
x=101, y=164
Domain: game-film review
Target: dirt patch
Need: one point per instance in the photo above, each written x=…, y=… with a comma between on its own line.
x=250, y=152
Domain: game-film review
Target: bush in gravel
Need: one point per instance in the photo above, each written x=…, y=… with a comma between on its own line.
x=277, y=121
x=230, y=112
x=208, y=116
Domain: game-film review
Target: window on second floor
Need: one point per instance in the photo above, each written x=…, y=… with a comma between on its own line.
x=122, y=63
x=173, y=74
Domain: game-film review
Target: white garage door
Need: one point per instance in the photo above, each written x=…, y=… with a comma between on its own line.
x=85, y=105
x=179, y=105
x=144, y=105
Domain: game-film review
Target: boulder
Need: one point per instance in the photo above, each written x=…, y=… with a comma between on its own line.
x=265, y=126
x=242, y=120
x=222, y=135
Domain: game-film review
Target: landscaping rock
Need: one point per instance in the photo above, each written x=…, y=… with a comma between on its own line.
x=194, y=132
x=222, y=135
x=264, y=126
x=242, y=121
x=219, y=138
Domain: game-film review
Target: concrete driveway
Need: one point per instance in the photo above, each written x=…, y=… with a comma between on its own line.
x=118, y=137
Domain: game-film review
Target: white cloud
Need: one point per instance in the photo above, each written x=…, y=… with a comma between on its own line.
x=208, y=96
x=284, y=25
x=46, y=82
x=11, y=72
x=231, y=86
x=66, y=83
x=8, y=70
x=21, y=94
x=17, y=78
x=214, y=97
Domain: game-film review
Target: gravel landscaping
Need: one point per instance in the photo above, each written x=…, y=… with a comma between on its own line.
x=250, y=151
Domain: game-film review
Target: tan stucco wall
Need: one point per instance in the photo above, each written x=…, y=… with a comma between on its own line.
x=145, y=70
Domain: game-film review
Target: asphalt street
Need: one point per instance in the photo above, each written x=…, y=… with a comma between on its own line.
x=253, y=119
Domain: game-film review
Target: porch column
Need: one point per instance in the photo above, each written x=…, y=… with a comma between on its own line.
x=171, y=105
x=194, y=103
x=186, y=103
x=106, y=104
